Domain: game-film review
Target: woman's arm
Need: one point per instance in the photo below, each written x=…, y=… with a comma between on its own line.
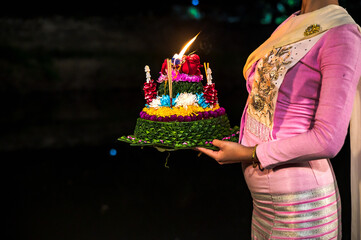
x=230, y=152
x=340, y=63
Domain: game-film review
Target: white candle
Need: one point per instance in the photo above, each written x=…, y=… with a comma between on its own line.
x=147, y=73
x=209, y=76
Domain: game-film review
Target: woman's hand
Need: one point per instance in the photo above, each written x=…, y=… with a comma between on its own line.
x=229, y=152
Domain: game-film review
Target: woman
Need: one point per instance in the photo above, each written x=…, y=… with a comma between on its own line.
x=301, y=83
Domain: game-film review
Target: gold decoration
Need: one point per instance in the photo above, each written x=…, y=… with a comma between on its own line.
x=314, y=28
x=264, y=91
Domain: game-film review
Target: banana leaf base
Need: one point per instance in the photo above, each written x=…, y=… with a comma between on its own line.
x=171, y=136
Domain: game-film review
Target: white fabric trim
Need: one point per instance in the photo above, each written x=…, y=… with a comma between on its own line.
x=355, y=139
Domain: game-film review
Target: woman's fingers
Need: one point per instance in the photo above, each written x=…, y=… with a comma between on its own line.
x=229, y=152
x=209, y=152
x=217, y=143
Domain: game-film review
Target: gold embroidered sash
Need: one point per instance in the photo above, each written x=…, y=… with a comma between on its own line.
x=269, y=74
x=296, y=27
x=291, y=41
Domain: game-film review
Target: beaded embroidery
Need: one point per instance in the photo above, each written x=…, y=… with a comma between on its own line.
x=314, y=28
x=269, y=74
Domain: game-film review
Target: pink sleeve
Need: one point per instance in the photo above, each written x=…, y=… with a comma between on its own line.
x=339, y=59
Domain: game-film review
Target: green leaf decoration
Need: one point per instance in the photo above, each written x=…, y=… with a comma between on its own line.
x=174, y=135
x=180, y=87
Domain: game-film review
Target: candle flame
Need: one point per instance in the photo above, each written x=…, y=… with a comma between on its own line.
x=184, y=49
x=187, y=46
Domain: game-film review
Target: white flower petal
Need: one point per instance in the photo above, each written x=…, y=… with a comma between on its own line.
x=155, y=103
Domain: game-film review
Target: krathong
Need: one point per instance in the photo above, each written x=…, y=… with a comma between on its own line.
x=180, y=111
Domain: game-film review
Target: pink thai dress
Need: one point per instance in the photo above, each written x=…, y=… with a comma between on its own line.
x=296, y=195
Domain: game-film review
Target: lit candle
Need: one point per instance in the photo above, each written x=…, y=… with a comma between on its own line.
x=177, y=58
x=147, y=73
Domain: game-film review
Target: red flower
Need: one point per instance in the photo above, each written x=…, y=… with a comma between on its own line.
x=150, y=91
x=164, y=67
x=191, y=65
x=210, y=94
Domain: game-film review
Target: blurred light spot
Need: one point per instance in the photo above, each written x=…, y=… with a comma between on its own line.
x=280, y=20
x=195, y=2
x=233, y=19
x=104, y=208
x=281, y=8
x=292, y=3
x=113, y=152
x=267, y=19
x=193, y=12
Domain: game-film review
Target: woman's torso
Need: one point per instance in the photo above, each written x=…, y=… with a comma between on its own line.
x=296, y=106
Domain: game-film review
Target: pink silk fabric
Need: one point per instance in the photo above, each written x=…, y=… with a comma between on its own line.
x=311, y=119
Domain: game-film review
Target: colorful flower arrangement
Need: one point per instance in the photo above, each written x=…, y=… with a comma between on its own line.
x=181, y=114
x=186, y=106
x=181, y=100
x=180, y=77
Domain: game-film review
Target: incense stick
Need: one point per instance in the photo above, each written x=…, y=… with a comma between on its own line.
x=170, y=81
x=205, y=70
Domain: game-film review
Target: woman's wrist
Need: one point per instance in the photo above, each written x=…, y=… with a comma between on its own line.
x=255, y=161
x=245, y=154
x=254, y=156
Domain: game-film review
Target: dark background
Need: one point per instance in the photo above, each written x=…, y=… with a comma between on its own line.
x=71, y=76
